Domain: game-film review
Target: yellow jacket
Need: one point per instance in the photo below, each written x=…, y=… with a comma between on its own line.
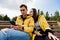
x=28, y=24
x=43, y=23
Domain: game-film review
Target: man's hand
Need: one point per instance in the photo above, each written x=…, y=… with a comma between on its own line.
x=18, y=27
x=50, y=35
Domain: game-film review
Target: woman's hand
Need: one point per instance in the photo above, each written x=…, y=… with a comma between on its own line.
x=38, y=33
x=50, y=35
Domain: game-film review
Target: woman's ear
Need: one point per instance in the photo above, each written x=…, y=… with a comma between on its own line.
x=26, y=9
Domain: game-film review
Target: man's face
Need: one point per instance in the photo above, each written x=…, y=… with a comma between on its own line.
x=23, y=10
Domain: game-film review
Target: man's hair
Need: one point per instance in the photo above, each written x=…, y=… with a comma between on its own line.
x=23, y=5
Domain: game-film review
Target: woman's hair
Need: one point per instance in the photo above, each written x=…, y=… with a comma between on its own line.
x=35, y=15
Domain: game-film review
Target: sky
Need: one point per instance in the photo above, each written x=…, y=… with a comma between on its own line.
x=11, y=7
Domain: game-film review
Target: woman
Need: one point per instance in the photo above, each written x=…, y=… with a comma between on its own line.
x=43, y=32
x=13, y=33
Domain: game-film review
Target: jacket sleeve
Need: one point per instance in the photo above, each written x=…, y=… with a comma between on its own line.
x=18, y=21
x=30, y=26
x=43, y=23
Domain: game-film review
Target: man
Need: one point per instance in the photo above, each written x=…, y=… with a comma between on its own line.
x=25, y=21
x=13, y=33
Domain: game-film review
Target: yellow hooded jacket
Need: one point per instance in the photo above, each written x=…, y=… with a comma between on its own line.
x=28, y=24
x=43, y=23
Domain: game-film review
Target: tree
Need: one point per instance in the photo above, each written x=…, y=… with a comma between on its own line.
x=42, y=13
x=14, y=18
x=56, y=15
x=38, y=12
x=47, y=16
x=6, y=18
x=1, y=17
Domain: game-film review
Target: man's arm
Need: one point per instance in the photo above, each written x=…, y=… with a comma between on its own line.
x=30, y=26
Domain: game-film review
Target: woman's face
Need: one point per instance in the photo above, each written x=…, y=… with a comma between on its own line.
x=31, y=12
